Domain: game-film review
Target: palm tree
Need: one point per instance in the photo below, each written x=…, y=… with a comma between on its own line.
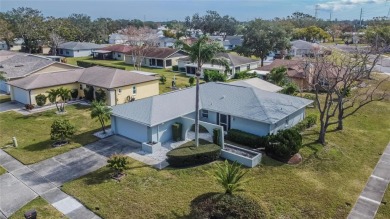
x=64, y=94
x=202, y=51
x=102, y=112
x=52, y=95
x=230, y=176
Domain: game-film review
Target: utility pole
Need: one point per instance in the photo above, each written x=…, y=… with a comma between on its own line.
x=361, y=14
x=316, y=11
x=330, y=16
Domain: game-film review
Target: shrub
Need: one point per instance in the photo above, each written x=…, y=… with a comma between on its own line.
x=311, y=120
x=244, y=75
x=216, y=136
x=247, y=139
x=290, y=89
x=218, y=206
x=175, y=68
x=118, y=163
x=101, y=95
x=191, y=81
x=74, y=93
x=188, y=154
x=308, y=122
x=285, y=143
x=61, y=130
x=311, y=97
x=40, y=99
x=212, y=75
x=229, y=175
x=176, y=131
x=29, y=106
x=288, y=57
x=87, y=64
x=88, y=93
x=163, y=79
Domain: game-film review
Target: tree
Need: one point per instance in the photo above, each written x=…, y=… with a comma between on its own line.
x=82, y=26
x=278, y=75
x=142, y=40
x=378, y=36
x=28, y=24
x=230, y=176
x=64, y=94
x=61, y=130
x=52, y=96
x=191, y=81
x=334, y=31
x=261, y=37
x=102, y=112
x=200, y=52
x=312, y=33
x=55, y=41
x=6, y=32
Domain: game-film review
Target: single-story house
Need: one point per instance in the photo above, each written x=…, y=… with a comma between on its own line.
x=157, y=57
x=299, y=71
x=120, y=86
x=3, y=45
x=20, y=65
x=301, y=48
x=230, y=42
x=16, y=45
x=116, y=52
x=164, y=42
x=117, y=38
x=237, y=64
x=258, y=83
x=229, y=106
x=77, y=49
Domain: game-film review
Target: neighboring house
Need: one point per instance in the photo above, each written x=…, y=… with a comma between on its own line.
x=237, y=64
x=120, y=86
x=164, y=42
x=16, y=45
x=230, y=42
x=299, y=71
x=117, y=38
x=77, y=49
x=116, y=52
x=22, y=65
x=3, y=45
x=158, y=57
x=301, y=48
x=224, y=105
x=258, y=83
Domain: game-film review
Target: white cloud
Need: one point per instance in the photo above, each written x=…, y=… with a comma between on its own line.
x=343, y=4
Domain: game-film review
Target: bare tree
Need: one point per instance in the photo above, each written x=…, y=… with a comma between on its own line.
x=143, y=40
x=335, y=81
x=55, y=41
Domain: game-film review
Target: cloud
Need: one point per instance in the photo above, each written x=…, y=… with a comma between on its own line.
x=343, y=4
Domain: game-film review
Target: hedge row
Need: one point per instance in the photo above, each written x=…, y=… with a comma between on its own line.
x=189, y=155
x=308, y=122
x=246, y=139
x=86, y=64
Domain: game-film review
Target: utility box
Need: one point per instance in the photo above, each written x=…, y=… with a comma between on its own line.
x=31, y=214
x=14, y=141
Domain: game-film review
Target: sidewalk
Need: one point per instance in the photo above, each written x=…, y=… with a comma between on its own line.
x=371, y=197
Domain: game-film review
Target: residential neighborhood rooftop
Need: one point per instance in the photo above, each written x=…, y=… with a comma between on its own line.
x=245, y=102
x=259, y=84
x=22, y=64
x=80, y=46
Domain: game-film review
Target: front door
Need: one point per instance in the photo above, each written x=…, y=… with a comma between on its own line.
x=224, y=121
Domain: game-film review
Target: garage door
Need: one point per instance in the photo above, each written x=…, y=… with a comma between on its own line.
x=20, y=95
x=131, y=130
x=4, y=86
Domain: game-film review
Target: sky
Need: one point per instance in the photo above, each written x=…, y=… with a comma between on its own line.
x=243, y=10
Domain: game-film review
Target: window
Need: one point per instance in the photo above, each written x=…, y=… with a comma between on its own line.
x=81, y=86
x=205, y=113
x=119, y=55
x=134, y=89
x=119, y=90
x=248, y=67
x=67, y=52
x=168, y=62
x=237, y=69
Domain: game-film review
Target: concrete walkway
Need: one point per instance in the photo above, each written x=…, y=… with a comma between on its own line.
x=371, y=197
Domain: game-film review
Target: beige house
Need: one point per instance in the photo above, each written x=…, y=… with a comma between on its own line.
x=20, y=65
x=120, y=86
x=157, y=57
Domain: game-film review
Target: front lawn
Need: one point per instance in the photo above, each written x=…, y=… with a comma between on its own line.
x=181, y=79
x=325, y=185
x=33, y=132
x=2, y=170
x=5, y=98
x=44, y=210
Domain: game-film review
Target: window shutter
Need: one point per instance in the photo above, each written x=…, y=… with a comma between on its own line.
x=217, y=118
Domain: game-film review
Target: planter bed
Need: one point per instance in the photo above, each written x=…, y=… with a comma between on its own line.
x=243, y=156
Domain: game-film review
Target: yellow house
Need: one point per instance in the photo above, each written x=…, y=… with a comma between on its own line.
x=118, y=86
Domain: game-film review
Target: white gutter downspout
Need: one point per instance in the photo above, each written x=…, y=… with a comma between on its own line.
x=158, y=132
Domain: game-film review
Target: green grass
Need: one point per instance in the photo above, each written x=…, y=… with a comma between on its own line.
x=44, y=210
x=181, y=79
x=2, y=170
x=325, y=185
x=189, y=148
x=33, y=132
x=384, y=209
x=5, y=98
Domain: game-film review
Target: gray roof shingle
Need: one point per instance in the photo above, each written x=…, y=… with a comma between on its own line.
x=80, y=46
x=240, y=101
x=21, y=65
x=259, y=84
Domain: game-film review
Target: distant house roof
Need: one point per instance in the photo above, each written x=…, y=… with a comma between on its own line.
x=241, y=101
x=295, y=68
x=97, y=76
x=236, y=59
x=160, y=53
x=259, y=84
x=4, y=54
x=301, y=44
x=118, y=48
x=80, y=46
x=117, y=36
x=235, y=40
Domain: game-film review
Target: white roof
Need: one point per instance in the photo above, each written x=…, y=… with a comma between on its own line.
x=259, y=84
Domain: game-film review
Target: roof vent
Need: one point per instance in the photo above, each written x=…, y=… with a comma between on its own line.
x=223, y=97
x=19, y=65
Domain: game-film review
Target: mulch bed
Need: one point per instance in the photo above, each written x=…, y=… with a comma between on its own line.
x=295, y=159
x=117, y=176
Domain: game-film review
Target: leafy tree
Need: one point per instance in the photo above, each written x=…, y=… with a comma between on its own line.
x=311, y=33
x=261, y=37
x=82, y=26
x=191, y=81
x=230, y=176
x=118, y=163
x=200, y=52
x=163, y=79
x=290, y=88
x=62, y=130
x=334, y=31
x=213, y=75
x=101, y=95
x=6, y=32
x=278, y=76
x=40, y=99
x=378, y=36
x=102, y=112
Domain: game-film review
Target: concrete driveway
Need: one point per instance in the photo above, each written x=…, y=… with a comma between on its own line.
x=10, y=106
x=83, y=160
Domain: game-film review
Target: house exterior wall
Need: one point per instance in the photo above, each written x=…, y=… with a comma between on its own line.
x=129, y=129
x=3, y=46
x=250, y=126
x=56, y=67
x=75, y=53
x=4, y=87
x=146, y=89
x=16, y=48
x=118, y=56
x=35, y=92
x=288, y=122
x=20, y=95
